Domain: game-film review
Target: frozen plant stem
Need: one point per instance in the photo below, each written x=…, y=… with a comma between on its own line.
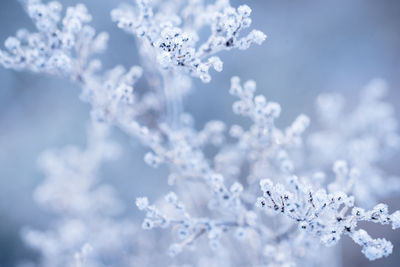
x=173, y=101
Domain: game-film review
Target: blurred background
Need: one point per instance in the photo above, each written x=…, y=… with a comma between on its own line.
x=312, y=47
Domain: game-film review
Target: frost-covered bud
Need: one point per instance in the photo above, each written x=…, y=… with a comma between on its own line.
x=251, y=218
x=260, y=100
x=172, y=178
x=266, y=185
x=358, y=212
x=236, y=131
x=354, y=174
x=235, y=80
x=37, y=11
x=216, y=63
x=214, y=233
x=236, y=88
x=171, y=198
x=175, y=249
x=350, y=225
x=239, y=107
x=60, y=61
x=339, y=197
x=240, y=233
x=124, y=92
x=300, y=124
x=330, y=239
x=100, y=42
x=164, y=59
x=381, y=209
x=330, y=106
x=55, y=6
x=361, y=237
x=86, y=249
x=279, y=188
x=236, y=188
x=183, y=233
x=340, y=168
x=395, y=218
x=12, y=44
x=273, y=109
x=376, y=89
x=22, y=34
x=147, y=224
x=287, y=166
x=142, y=203
x=94, y=65
x=187, y=120
x=261, y=202
x=215, y=127
x=73, y=25
x=269, y=251
x=217, y=178
x=68, y=40
x=321, y=196
x=258, y=36
x=250, y=86
x=133, y=75
x=244, y=10
x=152, y=159
x=205, y=78
x=303, y=225
x=349, y=201
x=293, y=180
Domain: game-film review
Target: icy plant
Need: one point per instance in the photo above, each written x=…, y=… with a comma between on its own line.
x=364, y=137
x=86, y=210
x=326, y=216
x=263, y=197
x=60, y=47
